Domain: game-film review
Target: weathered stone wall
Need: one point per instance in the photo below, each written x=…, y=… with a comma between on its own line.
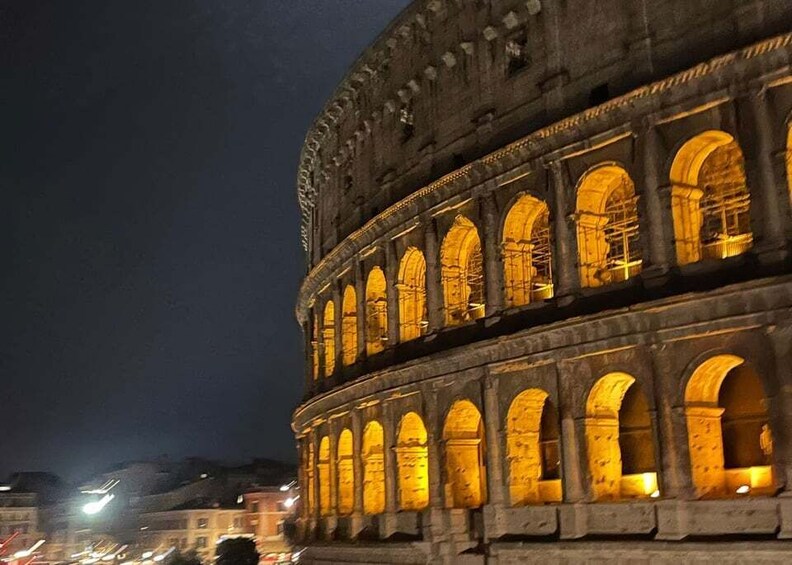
x=427, y=129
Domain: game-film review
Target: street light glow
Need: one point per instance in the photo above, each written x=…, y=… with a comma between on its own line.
x=97, y=505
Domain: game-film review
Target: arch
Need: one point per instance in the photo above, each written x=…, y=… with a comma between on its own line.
x=462, y=267
x=373, y=468
x=346, y=472
x=328, y=338
x=465, y=463
x=729, y=435
x=412, y=295
x=376, y=311
x=710, y=202
x=607, y=227
x=349, y=333
x=789, y=159
x=527, y=255
x=323, y=469
x=619, y=440
x=412, y=460
x=532, y=439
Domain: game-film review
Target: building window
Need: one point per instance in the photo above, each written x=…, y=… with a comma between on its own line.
x=254, y=507
x=203, y=523
x=412, y=295
x=373, y=468
x=407, y=121
x=527, y=257
x=328, y=338
x=200, y=542
x=463, y=437
x=517, y=53
x=346, y=473
x=412, y=460
x=462, y=268
x=376, y=311
x=349, y=334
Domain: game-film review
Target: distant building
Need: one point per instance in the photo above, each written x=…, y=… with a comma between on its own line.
x=266, y=511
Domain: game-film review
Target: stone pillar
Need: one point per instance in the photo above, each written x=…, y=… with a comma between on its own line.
x=495, y=435
x=434, y=284
x=316, y=513
x=357, y=508
x=656, y=224
x=389, y=425
x=434, y=439
x=309, y=345
x=321, y=378
x=564, y=247
x=675, y=475
x=768, y=207
x=780, y=406
x=338, y=327
x=360, y=307
x=332, y=434
x=391, y=278
x=493, y=268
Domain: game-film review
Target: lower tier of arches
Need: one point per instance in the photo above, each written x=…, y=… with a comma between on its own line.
x=669, y=419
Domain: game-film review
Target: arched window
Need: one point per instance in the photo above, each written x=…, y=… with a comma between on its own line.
x=463, y=273
x=710, y=201
x=346, y=473
x=729, y=436
x=349, y=337
x=323, y=468
x=308, y=466
x=328, y=338
x=532, y=438
x=466, y=472
x=619, y=440
x=412, y=459
x=527, y=257
x=412, y=295
x=607, y=218
x=315, y=353
x=373, y=469
x=376, y=311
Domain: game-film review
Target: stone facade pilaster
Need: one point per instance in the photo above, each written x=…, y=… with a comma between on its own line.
x=434, y=288
x=493, y=266
x=391, y=278
x=360, y=307
x=564, y=247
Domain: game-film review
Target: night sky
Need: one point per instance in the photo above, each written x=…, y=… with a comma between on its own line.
x=150, y=232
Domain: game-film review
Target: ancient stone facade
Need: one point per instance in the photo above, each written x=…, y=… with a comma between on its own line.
x=547, y=312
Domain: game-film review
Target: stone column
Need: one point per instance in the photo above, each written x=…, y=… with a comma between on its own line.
x=656, y=224
x=316, y=513
x=768, y=207
x=360, y=307
x=495, y=434
x=493, y=268
x=434, y=285
x=780, y=406
x=357, y=462
x=391, y=278
x=321, y=378
x=389, y=522
x=309, y=357
x=434, y=439
x=338, y=327
x=564, y=247
x=332, y=434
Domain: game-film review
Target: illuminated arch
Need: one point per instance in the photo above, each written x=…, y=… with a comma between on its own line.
x=328, y=338
x=349, y=335
x=412, y=295
x=789, y=159
x=412, y=460
x=462, y=267
x=346, y=473
x=729, y=436
x=376, y=311
x=323, y=468
x=373, y=468
x=532, y=439
x=619, y=440
x=465, y=465
x=710, y=202
x=607, y=227
x=527, y=257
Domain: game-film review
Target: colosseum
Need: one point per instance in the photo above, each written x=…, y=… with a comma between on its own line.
x=547, y=304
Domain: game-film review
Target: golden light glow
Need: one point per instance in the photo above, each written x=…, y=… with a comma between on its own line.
x=349, y=333
x=328, y=338
x=462, y=268
x=412, y=459
x=533, y=449
x=346, y=473
x=527, y=256
x=376, y=311
x=373, y=468
x=607, y=227
x=729, y=435
x=412, y=295
x=619, y=440
x=466, y=474
x=710, y=201
x=308, y=470
x=323, y=467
